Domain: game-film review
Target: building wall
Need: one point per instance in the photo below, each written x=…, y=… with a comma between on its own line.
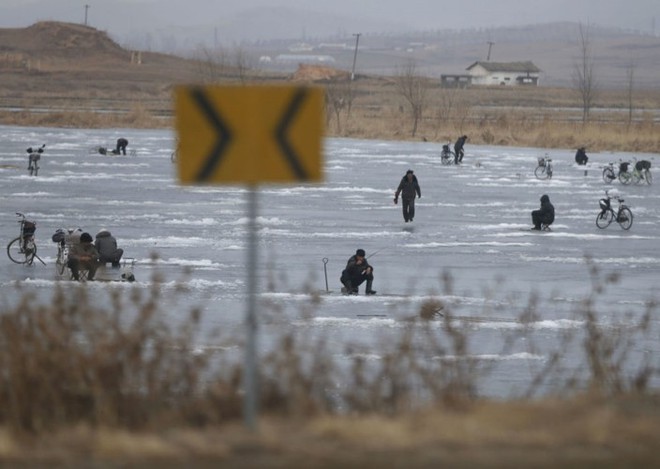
x=481, y=76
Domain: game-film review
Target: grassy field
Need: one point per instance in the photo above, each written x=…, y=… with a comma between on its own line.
x=534, y=117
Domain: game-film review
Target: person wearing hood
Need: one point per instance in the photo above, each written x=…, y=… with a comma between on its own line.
x=581, y=157
x=106, y=245
x=408, y=188
x=545, y=215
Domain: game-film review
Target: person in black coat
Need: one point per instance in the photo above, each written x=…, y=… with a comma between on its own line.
x=545, y=215
x=356, y=272
x=458, y=149
x=122, y=143
x=408, y=188
x=581, y=157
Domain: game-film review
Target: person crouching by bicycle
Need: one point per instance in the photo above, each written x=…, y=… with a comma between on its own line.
x=356, y=272
x=106, y=245
x=458, y=149
x=408, y=188
x=83, y=256
x=581, y=157
x=545, y=215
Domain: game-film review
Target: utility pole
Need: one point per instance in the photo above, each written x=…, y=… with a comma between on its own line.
x=490, y=46
x=357, y=40
x=86, y=8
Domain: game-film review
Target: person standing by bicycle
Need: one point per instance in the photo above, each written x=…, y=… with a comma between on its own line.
x=545, y=215
x=83, y=256
x=122, y=143
x=458, y=149
x=408, y=188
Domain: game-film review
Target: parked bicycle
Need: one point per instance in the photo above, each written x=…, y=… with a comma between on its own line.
x=622, y=173
x=62, y=258
x=544, y=168
x=34, y=155
x=447, y=156
x=23, y=249
x=642, y=172
x=623, y=215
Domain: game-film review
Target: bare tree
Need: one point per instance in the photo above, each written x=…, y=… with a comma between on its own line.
x=212, y=64
x=583, y=78
x=414, y=90
x=339, y=102
x=630, y=85
x=242, y=65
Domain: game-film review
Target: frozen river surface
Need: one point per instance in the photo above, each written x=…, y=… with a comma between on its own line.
x=469, y=247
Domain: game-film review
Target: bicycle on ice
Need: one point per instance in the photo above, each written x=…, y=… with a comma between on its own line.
x=544, y=168
x=23, y=249
x=607, y=215
x=640, y=173
x=447, y=156
x=34, y=155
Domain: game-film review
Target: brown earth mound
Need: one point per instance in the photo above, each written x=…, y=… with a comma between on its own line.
x=309, y=73
x=51, y=40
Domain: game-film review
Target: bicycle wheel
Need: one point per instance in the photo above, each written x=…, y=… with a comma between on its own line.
x=649, y=178
x=637, y=177
x=540, y=172
x=30, y=251
x=60, y=263
x=625, y=177
x=603, y=219
x=447, y=157
x=608, y=175
x=625, y=218
x=15, y=251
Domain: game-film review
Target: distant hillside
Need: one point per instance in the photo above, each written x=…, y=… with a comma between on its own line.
x=52, y=40
x=56, y=62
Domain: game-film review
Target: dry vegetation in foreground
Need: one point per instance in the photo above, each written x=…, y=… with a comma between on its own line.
x=84, y=384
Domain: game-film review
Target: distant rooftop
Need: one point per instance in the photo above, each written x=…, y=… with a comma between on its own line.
x=524, y=67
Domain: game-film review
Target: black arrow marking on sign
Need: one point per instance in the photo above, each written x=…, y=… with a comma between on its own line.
x=214, y=158
x=281, y=137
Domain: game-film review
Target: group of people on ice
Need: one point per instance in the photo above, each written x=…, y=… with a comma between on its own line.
x=86, y=253
x=358, y=270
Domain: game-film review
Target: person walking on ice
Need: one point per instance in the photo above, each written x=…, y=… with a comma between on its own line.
x=408, y=188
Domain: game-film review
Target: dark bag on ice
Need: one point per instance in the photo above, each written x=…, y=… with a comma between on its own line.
x=644, y=164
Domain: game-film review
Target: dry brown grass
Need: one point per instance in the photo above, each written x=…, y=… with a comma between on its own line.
x=120, y=385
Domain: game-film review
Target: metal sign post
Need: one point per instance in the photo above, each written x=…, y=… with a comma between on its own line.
x=249, y=134
x=250, y=374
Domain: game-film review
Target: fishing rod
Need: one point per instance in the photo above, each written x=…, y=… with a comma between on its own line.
x=376, y=252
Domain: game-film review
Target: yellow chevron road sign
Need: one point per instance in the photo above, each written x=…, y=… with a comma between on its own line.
x=249, y=134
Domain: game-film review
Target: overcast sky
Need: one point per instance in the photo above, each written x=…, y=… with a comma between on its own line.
x=121, y=17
